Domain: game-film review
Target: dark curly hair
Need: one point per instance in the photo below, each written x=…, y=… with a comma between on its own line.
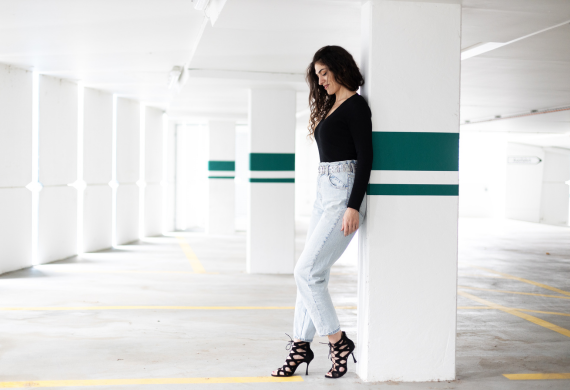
x=345, y=72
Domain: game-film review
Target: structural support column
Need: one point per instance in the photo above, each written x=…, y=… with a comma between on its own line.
x=221, y=175
x=153, y=171
x=57, y=124
x=128, y=115
x=97, y=170
x=408, y=243
x=16, y=168
x=271, y=229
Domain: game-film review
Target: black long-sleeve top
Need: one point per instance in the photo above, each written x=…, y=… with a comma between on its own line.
x=346, y=134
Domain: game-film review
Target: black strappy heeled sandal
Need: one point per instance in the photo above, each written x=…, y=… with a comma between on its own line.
x=297, y=348
x=339, y=357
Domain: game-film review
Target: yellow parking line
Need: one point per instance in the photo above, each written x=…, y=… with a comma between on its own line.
x=545, y=312
x=191, y=256
x=517, y=313
x=126, y=272
x=545, y=286
x=473, y=307
x=71, y=308
x=526, y=377
x=513, y=292
x=150, y=381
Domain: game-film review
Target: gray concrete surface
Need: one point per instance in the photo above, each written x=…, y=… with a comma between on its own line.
x=109, y=344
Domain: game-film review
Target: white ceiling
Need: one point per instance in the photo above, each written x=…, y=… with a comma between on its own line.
x=129, y=46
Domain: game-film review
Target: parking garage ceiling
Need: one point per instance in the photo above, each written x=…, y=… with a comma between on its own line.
x=129, y=47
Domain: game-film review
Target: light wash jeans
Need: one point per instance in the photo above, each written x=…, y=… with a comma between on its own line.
x=314, y=310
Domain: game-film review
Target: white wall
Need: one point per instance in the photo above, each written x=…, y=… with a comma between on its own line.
x=482, y=174
x=554, y=200
x=128, y=170
x=524, y=184
x=58, y=101
x=169, y=177
x=97, y=169
x=191, y=177
x=241, y=180
x=15, y=168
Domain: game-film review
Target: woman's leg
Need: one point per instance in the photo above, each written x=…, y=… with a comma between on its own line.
x=303, y=327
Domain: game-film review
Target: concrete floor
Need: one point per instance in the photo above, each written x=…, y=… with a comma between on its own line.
x=135, y=343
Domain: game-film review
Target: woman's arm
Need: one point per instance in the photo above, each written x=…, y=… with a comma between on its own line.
x=361, y=129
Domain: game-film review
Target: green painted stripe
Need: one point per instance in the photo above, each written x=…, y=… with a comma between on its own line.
x=221, y=165
x=221, y=177
x=272, y=161
x=261, y=180
x=415, y=151
x=413, y=189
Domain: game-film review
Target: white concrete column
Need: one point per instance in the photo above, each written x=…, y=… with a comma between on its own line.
x=15, y=168
x=169, y=176
x=153, y=172
x=97, y=170
x=271, y=225
x=58, y=125
x=408, y=243
x=128, y=170
x=221, y=175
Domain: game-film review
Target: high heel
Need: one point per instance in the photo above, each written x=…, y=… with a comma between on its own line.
x=339, y=360
x=297, y=348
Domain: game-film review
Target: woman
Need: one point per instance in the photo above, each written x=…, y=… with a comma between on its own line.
x=341, y=123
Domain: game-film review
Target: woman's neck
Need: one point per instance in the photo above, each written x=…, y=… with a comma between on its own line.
x=343, y=93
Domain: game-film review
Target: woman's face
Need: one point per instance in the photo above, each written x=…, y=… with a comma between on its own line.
x=326, y=78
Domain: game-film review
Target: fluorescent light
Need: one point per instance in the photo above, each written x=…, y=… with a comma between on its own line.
x=200, y=4
x=480, y=48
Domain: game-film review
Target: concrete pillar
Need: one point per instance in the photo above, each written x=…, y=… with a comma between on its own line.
x=57, y=209
x=15, y=168
x=408, y=243
x=169, y=167
x=127, y=170
x=97, y=170
x=271, y=229
x=221, y=175
x=153, y=171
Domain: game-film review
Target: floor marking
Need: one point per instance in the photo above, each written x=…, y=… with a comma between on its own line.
x=191, y=256
x=71, y=308
x=127, y=272
x=150, y=381
x=545, y=312
x=527, y=377
x=473, y=307
x=517, y=313
x=513, y=292
x=529, y=310
x=521, y=280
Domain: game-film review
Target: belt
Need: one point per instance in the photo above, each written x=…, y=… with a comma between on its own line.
x=346, y=167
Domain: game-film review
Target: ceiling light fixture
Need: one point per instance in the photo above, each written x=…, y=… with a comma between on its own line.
x=200, y=5
x=484, y=47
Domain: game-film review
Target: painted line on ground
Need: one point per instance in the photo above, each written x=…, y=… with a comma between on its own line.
x=531, y=377
x=515, y=308
x=191, y=256
x=545, y=286
x=126, y=272
x=512, y=292
x=149, y=381
x=79, y=308
x=517, y=313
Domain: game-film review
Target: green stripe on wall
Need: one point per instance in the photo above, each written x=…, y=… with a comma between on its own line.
x=272, y=161
x=221, y=177
x=260, y=180
x=221, y=165
x=413, y=189
x=415, y=151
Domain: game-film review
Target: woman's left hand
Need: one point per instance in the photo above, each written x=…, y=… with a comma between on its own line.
x=350, y=221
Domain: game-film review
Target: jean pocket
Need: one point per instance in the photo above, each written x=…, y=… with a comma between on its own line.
x=339, y=181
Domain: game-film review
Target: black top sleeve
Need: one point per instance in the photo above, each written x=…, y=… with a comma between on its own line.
x=360, y=125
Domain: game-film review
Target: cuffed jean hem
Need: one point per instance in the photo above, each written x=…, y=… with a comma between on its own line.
x=302, y=339
x=333, y=332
